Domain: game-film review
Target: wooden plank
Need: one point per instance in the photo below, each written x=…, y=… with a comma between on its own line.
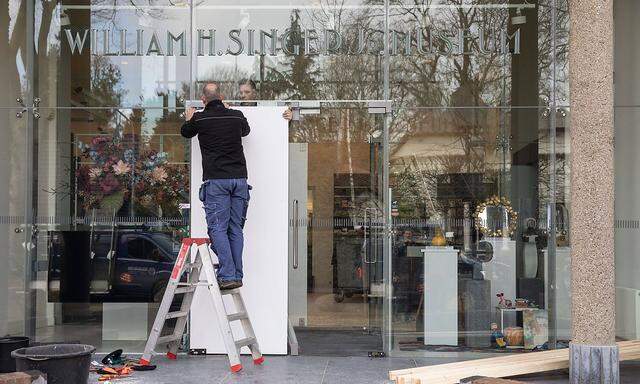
x=494, y=371
x=461, y=364
x=625, y=347
x=502, y=366
x=540, y=364
x=505, y=371
x=512, y=369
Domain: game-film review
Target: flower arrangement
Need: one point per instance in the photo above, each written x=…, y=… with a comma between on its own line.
x=120, y=171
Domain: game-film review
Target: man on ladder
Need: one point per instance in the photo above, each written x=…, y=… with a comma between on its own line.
x=225, y=194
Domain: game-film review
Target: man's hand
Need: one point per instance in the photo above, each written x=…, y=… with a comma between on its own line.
x=288, y=114
x=189, y=114
x=226, y=105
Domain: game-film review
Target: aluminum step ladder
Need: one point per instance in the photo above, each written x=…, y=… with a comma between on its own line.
x=201, y=261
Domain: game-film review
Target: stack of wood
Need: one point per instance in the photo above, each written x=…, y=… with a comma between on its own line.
x=502, y=366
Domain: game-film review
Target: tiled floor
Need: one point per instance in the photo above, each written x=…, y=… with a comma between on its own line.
x=310, y=369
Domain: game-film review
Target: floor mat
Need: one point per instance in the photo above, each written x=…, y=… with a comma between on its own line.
x=314, y=342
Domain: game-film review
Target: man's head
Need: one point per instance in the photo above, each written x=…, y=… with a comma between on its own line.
x=248, y=90
x=210, y=92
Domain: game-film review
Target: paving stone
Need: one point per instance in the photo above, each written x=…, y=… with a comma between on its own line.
x=21, y=377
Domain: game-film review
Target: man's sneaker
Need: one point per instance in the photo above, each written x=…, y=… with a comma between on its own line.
x=238, y=283
x=227, y=284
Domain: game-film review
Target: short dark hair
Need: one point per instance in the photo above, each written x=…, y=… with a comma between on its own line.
x=248, y=82
x=211, y=91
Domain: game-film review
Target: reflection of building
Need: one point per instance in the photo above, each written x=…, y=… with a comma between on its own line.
x=377, y=182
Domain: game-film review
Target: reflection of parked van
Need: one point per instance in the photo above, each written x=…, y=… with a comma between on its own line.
x=110, y=265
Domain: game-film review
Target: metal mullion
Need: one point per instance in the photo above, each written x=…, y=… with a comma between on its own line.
x=30, y=171
x=551, y=243
x=387, y=306
x=193, y=62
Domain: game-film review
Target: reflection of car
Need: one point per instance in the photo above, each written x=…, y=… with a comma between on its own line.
x=110, y=265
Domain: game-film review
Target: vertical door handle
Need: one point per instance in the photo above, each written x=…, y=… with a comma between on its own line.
x=370, y=238
x=365, y=245
x=295, y=234
x=374, y=239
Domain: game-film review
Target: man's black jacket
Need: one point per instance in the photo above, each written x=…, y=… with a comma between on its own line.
x=220, y=131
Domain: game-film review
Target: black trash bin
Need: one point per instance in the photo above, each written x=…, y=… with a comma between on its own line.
x=63, y=363
x=7, y=345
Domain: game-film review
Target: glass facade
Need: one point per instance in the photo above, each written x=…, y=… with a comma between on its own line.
x=626, y=109
x=429, y=146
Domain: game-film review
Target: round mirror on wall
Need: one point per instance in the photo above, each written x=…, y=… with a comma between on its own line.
x=495, y=217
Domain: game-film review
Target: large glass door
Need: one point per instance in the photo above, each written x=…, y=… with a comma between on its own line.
x=14, y=231
x=336, y=284
x=17, y=293
x=325, y=60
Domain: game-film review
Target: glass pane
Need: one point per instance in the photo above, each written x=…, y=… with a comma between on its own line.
x=303, y=49
x=562, y=200
x=471, y=188
x=117, y=54
x=627, y=214
x=627, y=138
x=562, y=53
x=13, y=40
x=475, y=53
x=110, y=221
x=13, y=228
x=336, y=256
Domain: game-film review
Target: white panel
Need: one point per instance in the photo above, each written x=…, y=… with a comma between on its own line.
x=298, y=171
x=440, y=296
x=265, y=248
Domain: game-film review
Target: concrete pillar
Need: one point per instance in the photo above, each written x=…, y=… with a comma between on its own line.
x=594, y=356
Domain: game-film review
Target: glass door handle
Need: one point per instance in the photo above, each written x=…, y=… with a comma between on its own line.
x=295, y=234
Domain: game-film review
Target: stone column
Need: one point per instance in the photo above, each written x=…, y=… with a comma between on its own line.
x=594, y=355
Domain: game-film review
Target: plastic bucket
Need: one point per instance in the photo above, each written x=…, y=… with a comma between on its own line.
x=63, y=363
x=7, y=345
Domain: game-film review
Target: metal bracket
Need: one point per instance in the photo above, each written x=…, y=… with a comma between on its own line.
x=36, y=109
x=294, y=347
x=295, y=109
x=299, y=108
x=23, y=110
x=379, y=106
x=197, y=104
